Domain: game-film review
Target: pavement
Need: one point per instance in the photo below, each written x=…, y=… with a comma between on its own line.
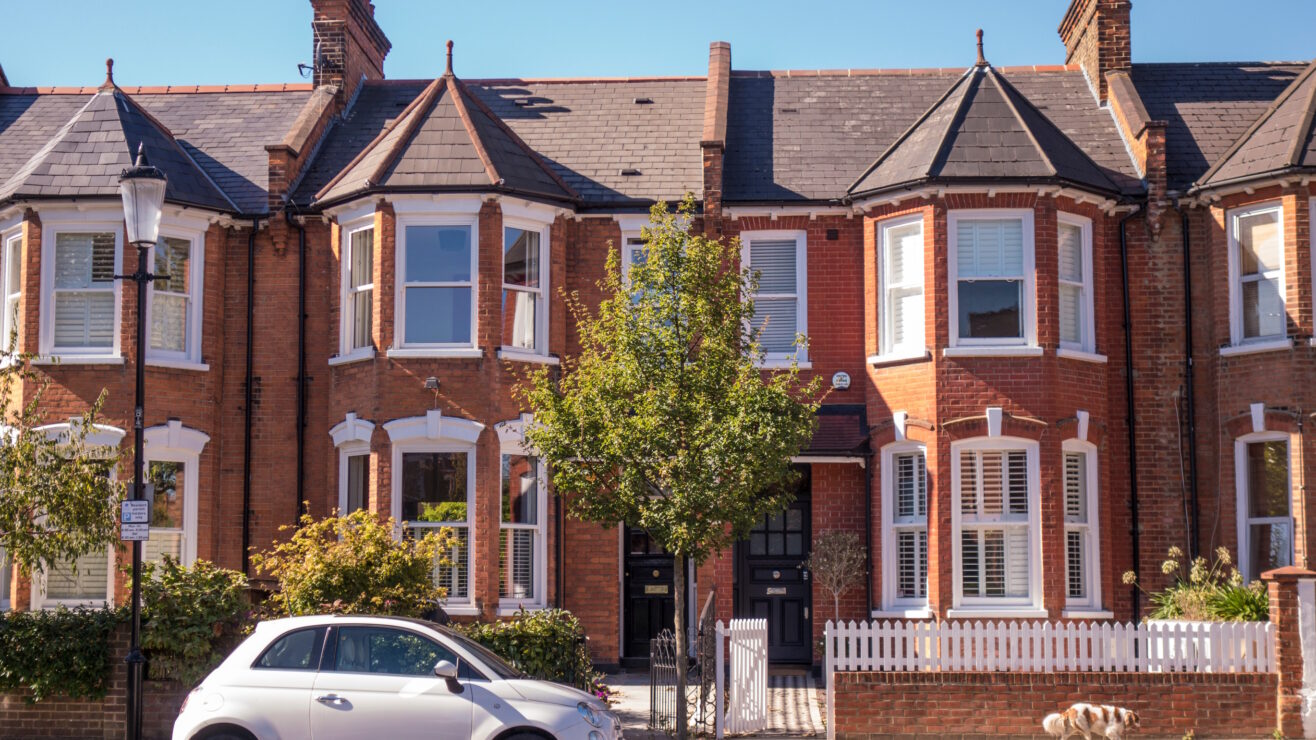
x=794, y=708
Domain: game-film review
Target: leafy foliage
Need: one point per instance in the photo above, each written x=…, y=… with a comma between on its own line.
x=837, y=562
x=1206, y=591
x=547, y=644
x=58, y=653
x=192, y=617
x=352, y=564
x=57, y=501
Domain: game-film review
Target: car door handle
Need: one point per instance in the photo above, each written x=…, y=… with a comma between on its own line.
x=332, y=699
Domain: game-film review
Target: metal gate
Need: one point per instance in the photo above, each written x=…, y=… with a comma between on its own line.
x=742, y=668
x=663, y=667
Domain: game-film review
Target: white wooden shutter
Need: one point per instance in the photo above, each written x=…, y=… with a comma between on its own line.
x=912, y=564
x=911, y=487
x=1071, y=283
x=84, y=290
x=1076, y=506
x=85, y=581
x=518, y=571
x=776, y=304
x=989, y=248
x=1076, y=563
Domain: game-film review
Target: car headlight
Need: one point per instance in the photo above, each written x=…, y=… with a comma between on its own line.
x=589, y=714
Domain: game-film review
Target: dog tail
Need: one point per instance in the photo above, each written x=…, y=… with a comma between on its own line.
x=1055, y=724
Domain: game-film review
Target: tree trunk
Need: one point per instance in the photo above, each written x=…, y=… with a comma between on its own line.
x=836, y=606
x=682, y=649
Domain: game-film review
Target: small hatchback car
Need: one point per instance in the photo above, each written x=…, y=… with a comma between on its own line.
x=347, y=677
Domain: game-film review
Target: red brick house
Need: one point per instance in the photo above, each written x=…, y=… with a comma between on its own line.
x=1066, y=311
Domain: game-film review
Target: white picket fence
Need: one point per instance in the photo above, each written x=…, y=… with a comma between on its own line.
x=745, y=643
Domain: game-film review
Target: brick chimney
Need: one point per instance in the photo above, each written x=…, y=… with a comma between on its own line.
x=1097, y=36
x=713, y=140
x=348, y=44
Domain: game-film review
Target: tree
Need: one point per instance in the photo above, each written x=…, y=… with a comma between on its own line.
x=837, y=562
x=58, y=500
x=664, y=420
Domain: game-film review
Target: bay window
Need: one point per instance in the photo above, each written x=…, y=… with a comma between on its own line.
x=1256, y=266
x=525, y=282
x=991, y=266
x=81, y=310
x=437, y=289
x=900, y=268
x=781, y=305
x=905, y=526
x=1077, y=323
x=1265, y=519
x=521, y=531
x=358, y=294
x=1082, y=566
x=436, y=489
x=352, y=438
x=175, y=315
x=996, y=520
x=173, y=461
x=11, y=284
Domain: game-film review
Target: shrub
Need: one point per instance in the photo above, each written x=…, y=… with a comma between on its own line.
x=352, y=564
x=1206, y=591
x=191, y=617
x=60, y=653
x=547, y=644
x=837, y=563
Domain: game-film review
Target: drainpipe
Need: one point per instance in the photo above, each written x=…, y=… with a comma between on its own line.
x=300, y=507
x=1131, y=418
x=561, y=550
x=247, y=401
x=868, y=533
x=1194, y=539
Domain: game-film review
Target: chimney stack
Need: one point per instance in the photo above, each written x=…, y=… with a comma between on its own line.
x=1097, y=36
x=348, y=44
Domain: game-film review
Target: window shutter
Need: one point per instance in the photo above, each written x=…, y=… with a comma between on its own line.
x=455, y=577
x=774, y=259
x=86, y=581
x=1076, y=509
x=518, y=571
x=1071, y=271
x=1074, y=556
x=911, y=486
x=970, y=563
x=1018, y=482
x=912, y=564
x=989, y=248
x=1071, y=253
x=968, y=483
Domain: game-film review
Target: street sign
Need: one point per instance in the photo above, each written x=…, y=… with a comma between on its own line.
x=134, y=532
x=135, y=511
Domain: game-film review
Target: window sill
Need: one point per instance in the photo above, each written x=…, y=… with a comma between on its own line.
x=461, y=610
x=459, y=353
x=1080, y=355
x=78, y=360
x=1270, y=345
x=993, y=351
x=1087, y=614
x=898, y=613
x=783, y=364
x=356, y=355
x=510, y=610
x=513, y=355
x=1000, y=612
x=179, y=365
x=899, y=358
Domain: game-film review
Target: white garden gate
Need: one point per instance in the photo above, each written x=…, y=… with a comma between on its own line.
x=740, y=699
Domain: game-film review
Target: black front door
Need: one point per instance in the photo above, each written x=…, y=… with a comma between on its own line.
x=774, y=585
x=650, y=604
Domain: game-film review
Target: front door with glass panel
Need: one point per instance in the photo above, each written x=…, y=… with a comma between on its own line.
x=772, y=582
x=650, y=604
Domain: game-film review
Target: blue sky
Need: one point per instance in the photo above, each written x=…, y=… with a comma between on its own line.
x=155, y=42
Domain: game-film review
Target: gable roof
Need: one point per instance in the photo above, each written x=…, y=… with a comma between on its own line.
x=982, y=129
x=1279, y=141
x=446, y=139
x=85, y=157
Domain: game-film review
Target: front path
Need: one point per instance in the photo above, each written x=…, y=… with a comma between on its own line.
x=793, y=709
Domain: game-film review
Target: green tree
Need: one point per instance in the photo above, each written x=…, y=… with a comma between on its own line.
x=58, y=500
x=664, y=420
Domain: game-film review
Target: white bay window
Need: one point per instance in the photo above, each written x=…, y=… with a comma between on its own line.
x=781, y=301
x=1257, y=281
x=80, y=316
x=1265, y=503
x=436, y=297
x=1082, y=558
x=900, y=260
x=525, y=285
x=352, y=438
x=904, y=527
x=174, y=313
x=991, y=267
x=11, y=284
x=358, y=293
x=173, y=470
x=996, y=522
x=523, y=508
x=1075, y=283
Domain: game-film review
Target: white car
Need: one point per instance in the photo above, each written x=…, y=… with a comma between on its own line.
x=382, y=678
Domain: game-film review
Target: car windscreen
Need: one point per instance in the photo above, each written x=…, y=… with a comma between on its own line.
x=497, y=665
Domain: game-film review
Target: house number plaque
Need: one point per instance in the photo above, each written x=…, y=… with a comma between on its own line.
x=776, y=590
x=657, y=590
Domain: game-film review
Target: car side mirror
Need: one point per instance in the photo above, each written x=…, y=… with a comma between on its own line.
x=448, y=672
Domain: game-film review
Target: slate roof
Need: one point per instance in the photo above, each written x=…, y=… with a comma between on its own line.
x=446, y=139
x=85, y=157
x=586, y=131
x=1279, y=141
x=1207, y=108
x=809, y=136
x=982, y=129
x=223, y=130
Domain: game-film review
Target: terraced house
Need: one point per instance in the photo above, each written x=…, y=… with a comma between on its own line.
x=1066, y=312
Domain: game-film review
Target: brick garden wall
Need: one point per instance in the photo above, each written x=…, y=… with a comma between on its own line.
x=953, y=704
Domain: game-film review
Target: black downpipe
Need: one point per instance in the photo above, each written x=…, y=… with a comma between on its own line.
x=1131, y=418
x=1194, y=540
x=561, y=550
x=247, y=400
x=868, y=533
x=300, y=507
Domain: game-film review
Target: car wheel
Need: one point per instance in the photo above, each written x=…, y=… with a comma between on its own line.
x=226, y=733
x=523, y=736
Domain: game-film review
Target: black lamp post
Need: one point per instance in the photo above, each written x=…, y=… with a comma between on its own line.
x=142, y=188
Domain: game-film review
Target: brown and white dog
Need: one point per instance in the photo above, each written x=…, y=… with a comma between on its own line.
x=1091, y=720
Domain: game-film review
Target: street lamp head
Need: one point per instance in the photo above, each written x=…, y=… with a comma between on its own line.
x=142, y=188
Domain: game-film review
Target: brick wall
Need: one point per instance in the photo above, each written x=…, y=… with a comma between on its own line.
x=956, y=704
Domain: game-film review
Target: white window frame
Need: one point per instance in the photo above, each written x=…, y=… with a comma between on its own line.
x=627, y=253
x=887, y=349
x=401, y=347
x=173, y=442
x=543, y=291
x=1092, y=529
x=9, y=240
x=351, y=437
x=1232, y=217
x=1028, y=297
x=511, y=440
x=346, y=313
x=6, y=580
x=53, y=223
x=100, y=435
x=892, y=604
x=1030, y=606
x=1088, y=326
x=437, y=433
x=191, y=357
x=1243, y=520
x=801, y=295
